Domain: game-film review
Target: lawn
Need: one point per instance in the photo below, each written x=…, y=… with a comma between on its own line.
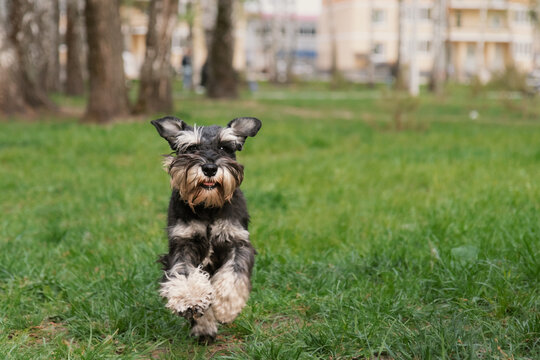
x=373, y=243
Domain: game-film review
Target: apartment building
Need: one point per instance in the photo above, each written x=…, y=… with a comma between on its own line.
x=487, y=36
x=363, y=37
x=280, y=44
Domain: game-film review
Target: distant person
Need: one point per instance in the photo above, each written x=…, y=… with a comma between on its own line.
x=187, y=71
x=204, y=74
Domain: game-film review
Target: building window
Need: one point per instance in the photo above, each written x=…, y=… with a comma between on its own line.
x=263, y=30
x=496, y=21
x=522, y=48
x=377, y=16
x=307, y=31
x=378, y=49
x=424, y=14
x=458, y=18
x=521, y=16
x=471, y=50
x=424, y=46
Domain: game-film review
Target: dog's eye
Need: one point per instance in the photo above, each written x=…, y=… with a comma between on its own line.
x=226, y=148
x=192, y=148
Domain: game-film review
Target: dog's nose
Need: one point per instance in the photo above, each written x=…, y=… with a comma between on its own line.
x=209, y=169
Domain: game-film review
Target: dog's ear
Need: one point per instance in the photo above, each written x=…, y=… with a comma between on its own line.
x=169, y=128
x=245, y=126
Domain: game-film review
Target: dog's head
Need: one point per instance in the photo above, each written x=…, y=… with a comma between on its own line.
x=203, y=166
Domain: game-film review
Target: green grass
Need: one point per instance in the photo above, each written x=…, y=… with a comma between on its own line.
x=372, y=243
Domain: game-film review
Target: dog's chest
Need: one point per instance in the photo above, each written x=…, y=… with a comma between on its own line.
x=222, y=235
x=207, y=261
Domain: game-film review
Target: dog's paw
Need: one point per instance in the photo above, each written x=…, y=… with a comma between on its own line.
x=231, y=293
x=204, y=328
x=194, y=312
x=189, y=296
x=206, y=339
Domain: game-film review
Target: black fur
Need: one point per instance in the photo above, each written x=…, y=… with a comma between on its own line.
x=194, y=250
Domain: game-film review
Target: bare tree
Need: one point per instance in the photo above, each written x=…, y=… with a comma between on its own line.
x=50, y=38
x=535, y=18
x=398, y=70
x=108, y=94
x=371, y=50
x=155, y=93
x=333, y=45
x=414, y=78
x=22, y=56
x=291, y=39
x=11, y=92
x=275, y=41
x=438, y=73
x=222, y=82
x=75, y=48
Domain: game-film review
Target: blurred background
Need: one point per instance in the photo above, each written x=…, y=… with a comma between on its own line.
x=217, y=47
x=394, y=187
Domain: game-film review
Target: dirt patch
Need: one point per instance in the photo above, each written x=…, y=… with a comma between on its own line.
x=44, y=332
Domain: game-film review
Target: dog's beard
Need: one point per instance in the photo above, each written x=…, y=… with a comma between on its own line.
x=195, y=188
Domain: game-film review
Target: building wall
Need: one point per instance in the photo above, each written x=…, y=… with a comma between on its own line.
x=273, y=43
x=368, y=30
x=484, y=36
x=490, y=35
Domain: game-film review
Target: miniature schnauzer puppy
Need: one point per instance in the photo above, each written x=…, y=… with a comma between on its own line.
x=208, y=267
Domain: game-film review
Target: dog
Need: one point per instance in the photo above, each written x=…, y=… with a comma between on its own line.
x=207, y=271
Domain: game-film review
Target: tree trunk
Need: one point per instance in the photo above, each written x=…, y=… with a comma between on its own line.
x=438, y=72
x=222, y=82
x=50, y=39
x=370, y=52
x=11, y=91
x=155, y=92
x=291, y=41
x=108, y=94
x=535, y=18
x=398, y=71
x=334, y=64
x=75, y=48
x=414, y=76
x=23, y=56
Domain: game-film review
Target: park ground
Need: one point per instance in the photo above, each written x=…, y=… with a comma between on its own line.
x=373, y=243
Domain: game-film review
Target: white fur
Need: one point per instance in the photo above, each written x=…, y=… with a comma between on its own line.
x=228, y=134
x=187, y=230
x=187, y=138
x=167, y=161
x=182, y=293
x=208, y=259
x=225, y=230
x=227, y=179
x=231, y=292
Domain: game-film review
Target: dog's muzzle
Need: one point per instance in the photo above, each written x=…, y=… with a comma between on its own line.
x=206, y=183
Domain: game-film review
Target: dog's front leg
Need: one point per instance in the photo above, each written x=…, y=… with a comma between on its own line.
x=232, y=283
x=185, y=286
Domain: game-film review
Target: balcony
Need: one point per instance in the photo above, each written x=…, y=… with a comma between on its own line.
x=479, y=4
x=476, y=34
